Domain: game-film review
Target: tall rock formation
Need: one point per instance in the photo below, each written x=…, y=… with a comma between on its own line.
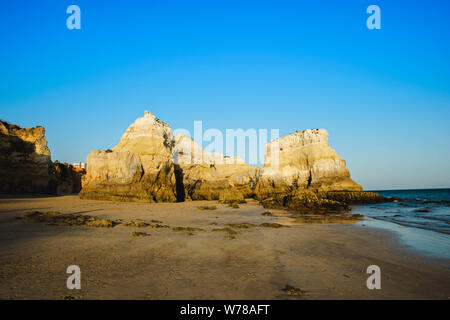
x=301, y=171
x=139, y=168
x=205, y=175
x=68, y=178
x=25, y=160
x=26, y=165
x=303, y=160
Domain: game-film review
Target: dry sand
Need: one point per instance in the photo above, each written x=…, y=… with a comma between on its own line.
x=325, y=261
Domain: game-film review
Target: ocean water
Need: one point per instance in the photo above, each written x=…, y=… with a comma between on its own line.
x=421, y=218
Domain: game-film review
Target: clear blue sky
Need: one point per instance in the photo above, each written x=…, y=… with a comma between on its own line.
x=383, y=95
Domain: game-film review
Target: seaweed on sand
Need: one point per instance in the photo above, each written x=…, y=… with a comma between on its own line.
x=292, y=291
x=226, y=230
x=186, y=229
x=244, y=225
x=271, y=225
x=67, y=219
x=207, y=207
x=140, y=234
x=143, y=224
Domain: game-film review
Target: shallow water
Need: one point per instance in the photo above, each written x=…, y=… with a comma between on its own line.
x=422, y=225
x=427, y=242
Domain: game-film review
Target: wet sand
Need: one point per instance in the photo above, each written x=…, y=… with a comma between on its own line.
x=325, y=261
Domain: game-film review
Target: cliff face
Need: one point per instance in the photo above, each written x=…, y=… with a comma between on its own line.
x=68, y=178
x=205, y=175
x=303, y=161
x=26, y=165
x=139, y=168
x=301, y=171
x=25, y=161
x=150, y=164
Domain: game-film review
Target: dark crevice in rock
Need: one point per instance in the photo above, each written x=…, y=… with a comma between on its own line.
x=310, y=174
x=309, y=180
x=179, y=185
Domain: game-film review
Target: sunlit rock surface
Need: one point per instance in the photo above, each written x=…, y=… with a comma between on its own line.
x=303, y=160
x=25, y=160
x=26, y=165
x=301, y=171
x=139, y=168
x=204, y=175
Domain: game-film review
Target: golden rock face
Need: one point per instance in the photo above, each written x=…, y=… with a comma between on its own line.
x=151, y=164
x=25, y=161
x=26, y=165
x=139, y=168
x=304, y=160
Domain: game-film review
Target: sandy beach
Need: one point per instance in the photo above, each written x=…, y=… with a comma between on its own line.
x=323, y=261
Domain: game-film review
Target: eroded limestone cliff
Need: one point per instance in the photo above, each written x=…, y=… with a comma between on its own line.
x=301, y=171
x=25, y=161
x=205, y=175
x=304, y=160
x=26, y=165
x=139, y=168
x=68, y=178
